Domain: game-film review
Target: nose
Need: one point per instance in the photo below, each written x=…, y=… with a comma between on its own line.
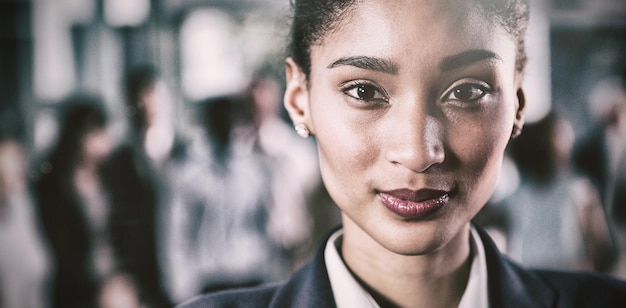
x=416, y=142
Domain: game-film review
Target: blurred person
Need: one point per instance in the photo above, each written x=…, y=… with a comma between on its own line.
x=557, y=220
x=137, y=181
x=220, y=223
x=245, y=190
x=601, y=154
x=24, y=256
x=73, y=206
x=294, y=183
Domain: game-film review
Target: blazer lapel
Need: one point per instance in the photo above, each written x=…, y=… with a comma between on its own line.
x=509, y=284
x=309, y=286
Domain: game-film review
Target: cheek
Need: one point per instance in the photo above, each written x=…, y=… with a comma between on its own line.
x=97, y=145
x=347, y=148
x=478, y=148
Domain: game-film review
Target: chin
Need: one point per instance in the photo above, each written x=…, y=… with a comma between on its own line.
x=420, y=238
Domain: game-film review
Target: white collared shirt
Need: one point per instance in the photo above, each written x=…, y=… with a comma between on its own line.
x=349, y=293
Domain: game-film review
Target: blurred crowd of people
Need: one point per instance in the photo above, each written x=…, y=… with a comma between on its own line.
x=159, y=216
x=567, y=211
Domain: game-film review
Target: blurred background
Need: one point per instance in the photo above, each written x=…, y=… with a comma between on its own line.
x=145, y=156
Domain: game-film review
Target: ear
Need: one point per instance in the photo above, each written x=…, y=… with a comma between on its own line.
x=518, y=122
x=296, y=99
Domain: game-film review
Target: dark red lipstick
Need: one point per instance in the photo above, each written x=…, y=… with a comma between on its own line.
x=411, y=204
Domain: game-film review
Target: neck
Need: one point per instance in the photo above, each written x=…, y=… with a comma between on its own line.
x=158, y=142
x=435, y=279
x=87, y=166
x=86, y=177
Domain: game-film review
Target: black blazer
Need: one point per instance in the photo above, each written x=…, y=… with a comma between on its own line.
x=65, y=227
x=509, y=286
x=134, y=189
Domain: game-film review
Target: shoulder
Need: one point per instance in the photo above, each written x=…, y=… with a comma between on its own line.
x=119, y=158
x=307, y=287
x=120, y=162
x=123, y=152
x=511, y=285
x=249, y=297
x=585, y=289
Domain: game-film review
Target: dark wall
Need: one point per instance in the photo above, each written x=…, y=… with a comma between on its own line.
x=580, y=57
x=16, y=62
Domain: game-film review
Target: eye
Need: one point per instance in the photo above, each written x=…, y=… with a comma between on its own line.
x=467, y=92
x=365, y=92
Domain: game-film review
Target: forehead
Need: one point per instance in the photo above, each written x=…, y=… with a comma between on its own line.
x=411, y=29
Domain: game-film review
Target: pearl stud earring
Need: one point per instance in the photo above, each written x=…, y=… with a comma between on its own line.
x=302, y=130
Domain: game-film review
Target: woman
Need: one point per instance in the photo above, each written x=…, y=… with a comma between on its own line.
x=134, y=177
x=412, y=104
x=74, y=210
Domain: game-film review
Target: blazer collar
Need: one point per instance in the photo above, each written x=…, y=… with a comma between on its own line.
x=509, y=284
x=309, y=286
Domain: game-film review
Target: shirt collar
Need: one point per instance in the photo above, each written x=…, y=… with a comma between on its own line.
x=349, y=293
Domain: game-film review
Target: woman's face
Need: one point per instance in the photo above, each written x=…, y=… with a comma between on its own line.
x=96, y=145
x=412, y=104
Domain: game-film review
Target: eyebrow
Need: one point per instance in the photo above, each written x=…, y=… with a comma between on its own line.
x=466, y=58
x=368, y=63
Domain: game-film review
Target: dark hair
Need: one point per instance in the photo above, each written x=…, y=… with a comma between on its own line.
x=219, y=116
x=11, y=126
x=79, y=115
x=314, y=18
x=138, y=79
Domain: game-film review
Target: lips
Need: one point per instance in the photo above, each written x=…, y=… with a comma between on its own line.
x=411, y=204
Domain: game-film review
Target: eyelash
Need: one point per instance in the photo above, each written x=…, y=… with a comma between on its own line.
x=380, y=96
x=478, y=92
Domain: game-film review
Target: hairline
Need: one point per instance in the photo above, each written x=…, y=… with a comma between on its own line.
x=345, y=14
